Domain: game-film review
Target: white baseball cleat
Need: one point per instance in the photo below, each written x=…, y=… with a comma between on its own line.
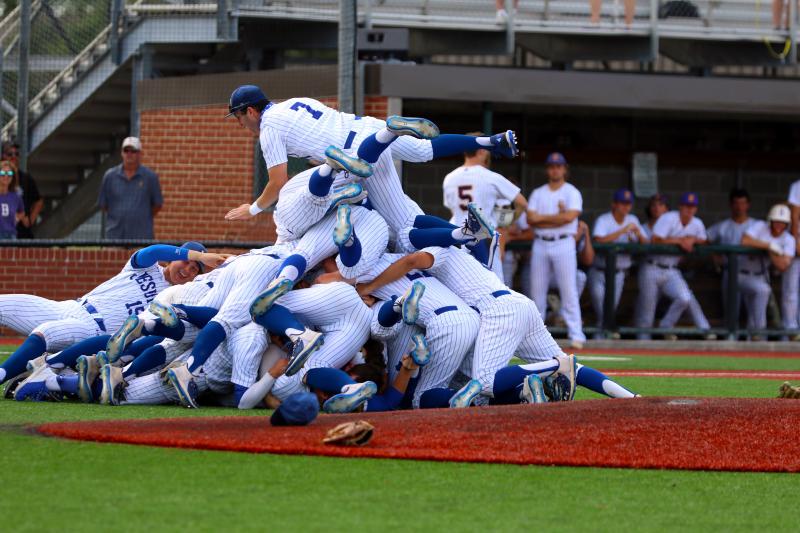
x=409, y=302
x=343, y=231
x=303, y=346
x=567, y=367
x=351, y=397
x=477, y=224
x=533, y=390
x=131, y=329
x=465, y=395
x=338, y=160
x=421, y=128
x=164, y=312
x=182, y=379
x=113, y=385
x=352, y=193
x=276, y=288
x=421, y=354
x=88, y=370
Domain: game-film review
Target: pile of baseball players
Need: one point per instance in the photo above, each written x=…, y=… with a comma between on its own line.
x=364, y=302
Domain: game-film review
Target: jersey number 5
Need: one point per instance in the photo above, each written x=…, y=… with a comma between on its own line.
x=297, y=106
x=465, y=193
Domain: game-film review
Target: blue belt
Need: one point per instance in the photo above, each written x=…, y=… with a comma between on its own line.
x=274, y=256
x=93, y=311
x=498, y=294
x=349, y=142
x=446, y=309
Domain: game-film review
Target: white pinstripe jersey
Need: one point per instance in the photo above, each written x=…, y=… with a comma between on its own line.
x=436, y=294
x=729, y=231
x=760, y=230
x=545, y=201
x=475, y=184
x=669, y=225
x=127, y=293
x=794, y=193
x=304, y=127
x=464, y=275
x=606, y=224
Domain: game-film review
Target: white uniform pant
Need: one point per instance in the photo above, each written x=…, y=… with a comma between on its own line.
x=61, y=324
x=790, y=286
x=296, y=212
x=597, y=290
x=654, y=281
x=557, y=259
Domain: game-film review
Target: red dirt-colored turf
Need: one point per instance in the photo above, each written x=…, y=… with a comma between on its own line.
x=682, y=373
x=691, y=434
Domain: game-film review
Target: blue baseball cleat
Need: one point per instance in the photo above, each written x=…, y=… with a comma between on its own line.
x=165, y=313
x=307, y=343
x=13, y=383
x=351, y=398
x=88, y=370
x=338, y=160
x=103, y=359
x=562, y=383
x=131, y=329
x=533, y=390
x=344, y=228
x=505, y=144
x=181, y=378
x=352, y=193
x=410, y=302
x=421, y=128
x=36, y=391
x=465, y=395
x=477, y=223
x=277, y=288
x=421, y=354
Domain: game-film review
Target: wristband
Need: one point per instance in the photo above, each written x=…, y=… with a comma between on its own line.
x=254, y=209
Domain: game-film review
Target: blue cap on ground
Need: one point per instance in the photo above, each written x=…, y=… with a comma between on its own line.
x=556, y=158
x=623, y=196
x=197, y=247
x=245, y=96
x=298, y=409
x=689, y=198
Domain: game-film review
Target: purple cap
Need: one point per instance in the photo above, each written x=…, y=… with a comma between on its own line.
x=298, y=409
x=623, y=196
x=689, y=198
x=556, y=158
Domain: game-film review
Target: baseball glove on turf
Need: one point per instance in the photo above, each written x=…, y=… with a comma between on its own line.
x=356, y=433
x=787, y=391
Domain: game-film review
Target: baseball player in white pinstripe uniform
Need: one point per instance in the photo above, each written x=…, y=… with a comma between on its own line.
x=791, y=278
x=774, y=237
x=553, y=211
x=618, y=225
x=53, y=326
x=660, y=274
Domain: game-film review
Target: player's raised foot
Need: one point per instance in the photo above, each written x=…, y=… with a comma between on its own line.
x=352, y=193
x=421, y=128
x=493, y=245
x=88, y=370
x=409, y=302
x=337, y=159
x=181, y=378
x=343, y=231
x=303, y=346
x=13, y=383
x=351, y=397
x=533, y=390
x=567, y=367
x=113, y=385
x=131, y=329
x=38, y=362
x=477, y=223
x=421, y=354
x=505, y=144
x=276, y=288
x=103, y=359
x=34, y=387
x=465, y=395
x=164, y=312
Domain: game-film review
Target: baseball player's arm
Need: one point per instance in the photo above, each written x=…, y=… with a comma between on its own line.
x=278, y=176
x=520, y=205
x=256, y=392
x=147, y=257
x=390, y=400
x=552, y=221
x=416, y=261
x=586, y=255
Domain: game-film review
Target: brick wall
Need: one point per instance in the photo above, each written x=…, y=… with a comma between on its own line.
x=205, y=165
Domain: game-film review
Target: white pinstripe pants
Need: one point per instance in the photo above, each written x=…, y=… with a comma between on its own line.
x=653, y=281
x=790, y=294
x=61, y=324
x=597, y=290
x=557, y=258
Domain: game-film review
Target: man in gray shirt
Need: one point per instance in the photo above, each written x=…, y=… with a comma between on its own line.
x=130, y=195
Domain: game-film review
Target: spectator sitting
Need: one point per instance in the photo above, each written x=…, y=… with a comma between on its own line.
x=130, y=195
x=502, y=14
x=11, y=207
x=27, y=189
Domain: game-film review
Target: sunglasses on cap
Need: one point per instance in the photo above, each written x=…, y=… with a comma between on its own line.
x=6, y=172
x=129, y=150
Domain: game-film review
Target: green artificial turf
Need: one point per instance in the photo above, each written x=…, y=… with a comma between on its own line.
x=53, y=484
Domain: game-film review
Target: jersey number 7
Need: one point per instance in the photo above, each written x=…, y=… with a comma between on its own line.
x=297, y=106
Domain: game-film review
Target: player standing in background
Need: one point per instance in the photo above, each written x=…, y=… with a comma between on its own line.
x=774, y=237
x=660, y=274
x=791, y=278
x=553, y=211
x=618, y=225
x=473, y=182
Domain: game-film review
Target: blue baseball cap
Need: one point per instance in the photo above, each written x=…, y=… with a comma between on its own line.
x=245, y=96
x=298, y=409
x=623, y=196
x=688, y=198
x=197, y=247
x=556, y=158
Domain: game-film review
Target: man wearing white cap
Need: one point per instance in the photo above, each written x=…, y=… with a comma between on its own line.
x=130, y=195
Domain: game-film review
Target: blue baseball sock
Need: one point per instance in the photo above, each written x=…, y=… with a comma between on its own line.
x=319, y=184
x=68, y=384
x=422, y=238
x=371, y=148
x=207, y=341
x=197, y=314
x=430, y=221
x=350, y=254
x=16, y=364
x=280, y=321
x=69, y=356
x=433, y=398
x=507, y=378
x=480, y=251
x=330, y=380
x=238, y=392
x=507, y=397
x=293, y=267
x=387, y=316
x=598, y=382
x=388, y=401
x=175, y=332
x=150, y=359
x=452, y=144
x=97, y=388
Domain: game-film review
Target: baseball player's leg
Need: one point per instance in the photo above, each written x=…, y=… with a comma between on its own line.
x=580, y=282
x=565, y=272
x=597, y=292
x=755, y=292
x=358, y=254
x=23, y=312
x=285, y=386
x=419, y=151
x=537, y=344
x=676, y=289
x=649, y=283
x=398, y=346
x=598, y=382
x=246, y=347
x=69, y=356
x=540, y=276
x=790, y=295
x=149, y=390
